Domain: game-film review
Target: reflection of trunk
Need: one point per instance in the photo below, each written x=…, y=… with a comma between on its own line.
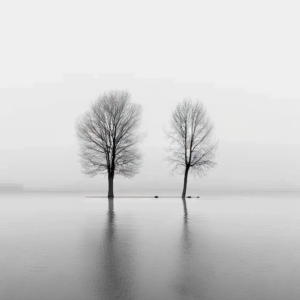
x=110, y=185
x=115, y=278
x=110, y=205
x=185, y=275
x=185, y=181
x=184, y=207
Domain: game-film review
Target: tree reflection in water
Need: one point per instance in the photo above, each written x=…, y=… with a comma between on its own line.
x=116, y=269
x=186, y=285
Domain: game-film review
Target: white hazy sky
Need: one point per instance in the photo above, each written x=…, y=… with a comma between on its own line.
x=252, y=45
x=240, y=57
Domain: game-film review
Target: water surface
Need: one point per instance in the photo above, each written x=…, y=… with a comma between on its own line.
x=65, y=246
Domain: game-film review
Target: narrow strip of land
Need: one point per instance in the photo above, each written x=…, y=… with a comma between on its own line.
x=150, y=197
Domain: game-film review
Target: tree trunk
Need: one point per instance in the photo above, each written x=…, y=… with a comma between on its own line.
x=185, y=181
x=110, y=186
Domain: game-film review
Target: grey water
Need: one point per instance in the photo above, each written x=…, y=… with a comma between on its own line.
x=219, y=247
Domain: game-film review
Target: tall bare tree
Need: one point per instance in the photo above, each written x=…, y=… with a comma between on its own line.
x=192, y=144
x=108, y=137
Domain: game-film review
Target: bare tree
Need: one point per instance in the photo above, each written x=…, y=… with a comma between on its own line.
x=192, y=146
x=108, y=137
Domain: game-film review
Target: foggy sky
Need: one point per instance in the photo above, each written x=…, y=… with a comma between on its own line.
x=240, y=58
x=251, y=45
x=259, y=140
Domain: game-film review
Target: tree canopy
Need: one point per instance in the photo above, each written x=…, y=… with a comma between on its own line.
x=108, y=136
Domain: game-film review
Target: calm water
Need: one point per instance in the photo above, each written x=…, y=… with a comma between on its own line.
x=61, y=247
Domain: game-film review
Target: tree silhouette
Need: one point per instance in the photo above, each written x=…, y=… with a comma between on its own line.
x=192, y=146
x=108, y=137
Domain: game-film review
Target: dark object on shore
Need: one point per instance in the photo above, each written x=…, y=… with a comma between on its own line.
x=189, y=197
x=198, y=197
x=155, y=196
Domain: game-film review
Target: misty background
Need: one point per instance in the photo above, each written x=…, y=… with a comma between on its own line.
x=241, y=59
x=258, y=150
